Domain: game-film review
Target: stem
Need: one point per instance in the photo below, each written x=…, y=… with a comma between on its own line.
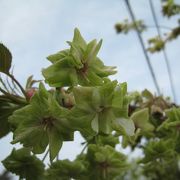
x=57, y=158
x=4, y=85
x=12, y=90
x=11, y=97
x=19, y=85
x=84, y=148
x=45, y=155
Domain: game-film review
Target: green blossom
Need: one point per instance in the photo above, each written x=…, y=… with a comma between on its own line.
x=77, y=65
x=105, y=162
x=40, y=123
x=65, y=170
x=101, y=108
x=173, y=121
x=22, y=163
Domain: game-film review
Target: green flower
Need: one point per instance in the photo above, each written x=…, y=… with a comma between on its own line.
x=66, y=170
x=40, y=123
x=173, y=121
x=101, y=108
x=77, y=65
x=105, y=162
x=158, y=150
x=22, y=163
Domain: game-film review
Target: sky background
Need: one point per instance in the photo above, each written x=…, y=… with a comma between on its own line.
x=34, y=29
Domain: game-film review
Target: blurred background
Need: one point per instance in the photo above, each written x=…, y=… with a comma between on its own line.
x=34, y=29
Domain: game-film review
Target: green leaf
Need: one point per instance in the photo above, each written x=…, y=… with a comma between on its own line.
x=6, y=110
x=25, y=165
x=5, y=59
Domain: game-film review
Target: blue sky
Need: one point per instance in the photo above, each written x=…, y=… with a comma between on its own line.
x=34, y=29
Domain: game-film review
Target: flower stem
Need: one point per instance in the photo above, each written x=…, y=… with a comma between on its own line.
x=19, y=85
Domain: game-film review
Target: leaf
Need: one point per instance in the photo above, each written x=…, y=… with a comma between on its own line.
x=6, y=110
x=5, y=59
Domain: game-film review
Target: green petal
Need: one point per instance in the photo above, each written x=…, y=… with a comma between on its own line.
x=78, y=39
x=25, y=165
x=141, y=120
x=55, y=143
x=127, y=125
x=58, y=56
x=95, y=124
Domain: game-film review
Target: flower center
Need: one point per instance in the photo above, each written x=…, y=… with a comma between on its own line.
x=84, y=69
x=100, y=109
x=47, y=122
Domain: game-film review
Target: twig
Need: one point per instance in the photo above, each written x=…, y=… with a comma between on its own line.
x=12, y=97
x=19, y=85
x=45, y=155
